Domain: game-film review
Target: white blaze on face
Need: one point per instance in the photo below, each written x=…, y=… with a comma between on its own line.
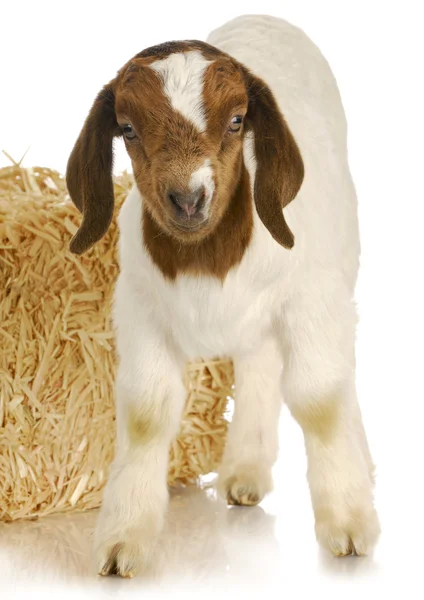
x=182, y=74
x=203, y=176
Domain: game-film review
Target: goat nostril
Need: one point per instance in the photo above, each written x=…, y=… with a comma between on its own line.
x=173, y=198
x=187, y=203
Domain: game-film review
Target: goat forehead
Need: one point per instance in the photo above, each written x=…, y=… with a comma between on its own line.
x=182, y=74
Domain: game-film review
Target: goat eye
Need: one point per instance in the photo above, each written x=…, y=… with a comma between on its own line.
x=235, y=124
x=128, y=131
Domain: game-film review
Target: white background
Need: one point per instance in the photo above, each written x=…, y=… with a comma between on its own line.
x=55, y=56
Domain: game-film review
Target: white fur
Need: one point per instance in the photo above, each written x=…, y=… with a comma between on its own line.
x=276, y=307
x=203, y=176
x=182, y=75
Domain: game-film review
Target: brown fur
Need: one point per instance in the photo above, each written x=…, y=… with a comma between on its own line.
x=142, y=426
x=214, y=255
x=319, y=417
x=89, y=172
x=168, y=148
x=279, y=163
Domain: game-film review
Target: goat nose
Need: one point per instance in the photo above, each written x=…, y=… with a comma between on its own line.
x=187, y=202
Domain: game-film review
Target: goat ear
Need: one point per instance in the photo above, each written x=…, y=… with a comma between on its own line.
x=279, y=171
x=89, y=171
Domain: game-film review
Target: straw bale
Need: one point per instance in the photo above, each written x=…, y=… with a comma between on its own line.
x=57, y=360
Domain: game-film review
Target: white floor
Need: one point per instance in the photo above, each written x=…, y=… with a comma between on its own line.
x=209, y=550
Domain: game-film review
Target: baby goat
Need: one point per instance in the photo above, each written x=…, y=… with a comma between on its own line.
x=227, y=164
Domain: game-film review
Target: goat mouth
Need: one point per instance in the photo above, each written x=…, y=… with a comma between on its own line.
x=189, y=226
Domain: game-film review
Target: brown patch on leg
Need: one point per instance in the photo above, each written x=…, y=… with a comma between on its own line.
x=143, y=425
x=319, y=418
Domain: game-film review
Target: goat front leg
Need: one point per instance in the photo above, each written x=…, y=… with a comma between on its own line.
x=245, y=475
x=319, y=389
x=150, y=396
